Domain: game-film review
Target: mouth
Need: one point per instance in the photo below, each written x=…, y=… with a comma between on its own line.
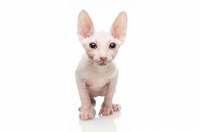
x=103, y=64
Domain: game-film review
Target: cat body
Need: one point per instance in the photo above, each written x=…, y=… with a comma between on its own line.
x=97, y=77
x=97, y=73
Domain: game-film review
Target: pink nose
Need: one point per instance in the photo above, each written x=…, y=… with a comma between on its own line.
x=103, y=58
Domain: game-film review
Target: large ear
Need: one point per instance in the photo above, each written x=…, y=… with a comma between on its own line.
x=119, y=26
x=85, y=25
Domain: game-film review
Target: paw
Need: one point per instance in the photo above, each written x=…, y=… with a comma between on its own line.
x=86, y=114
x=106, y=111
x=110, y=110
x=116, y=107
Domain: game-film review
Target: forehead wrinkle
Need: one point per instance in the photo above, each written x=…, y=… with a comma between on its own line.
x=102, y=38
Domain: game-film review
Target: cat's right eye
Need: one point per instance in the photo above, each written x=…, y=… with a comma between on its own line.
x=93, y=46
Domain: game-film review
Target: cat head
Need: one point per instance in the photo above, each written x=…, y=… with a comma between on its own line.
x=101, y=47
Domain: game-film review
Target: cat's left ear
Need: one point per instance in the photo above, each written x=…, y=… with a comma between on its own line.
x=119, y=26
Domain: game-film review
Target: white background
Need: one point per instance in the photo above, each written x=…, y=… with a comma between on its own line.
x=159, y=81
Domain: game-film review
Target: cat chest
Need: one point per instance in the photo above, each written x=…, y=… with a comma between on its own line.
x=97, y=84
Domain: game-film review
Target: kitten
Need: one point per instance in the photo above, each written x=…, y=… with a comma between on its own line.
x=97, y=73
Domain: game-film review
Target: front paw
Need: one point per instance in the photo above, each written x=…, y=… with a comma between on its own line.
x=86, y=114
x=106, y=111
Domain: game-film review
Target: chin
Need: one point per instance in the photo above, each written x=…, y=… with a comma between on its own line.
x=104, y=63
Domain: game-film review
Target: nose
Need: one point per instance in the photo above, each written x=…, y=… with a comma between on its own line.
x=103, y=58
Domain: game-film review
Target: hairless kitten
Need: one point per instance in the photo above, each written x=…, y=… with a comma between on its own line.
x=97, y=73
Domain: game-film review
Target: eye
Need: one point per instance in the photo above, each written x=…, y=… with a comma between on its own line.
x=112, y=46
x=93, y=46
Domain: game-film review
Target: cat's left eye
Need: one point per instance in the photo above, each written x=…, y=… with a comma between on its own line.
x=112, y=46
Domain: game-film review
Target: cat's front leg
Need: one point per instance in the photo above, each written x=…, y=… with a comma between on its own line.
x=108, y=107
x=86, y=109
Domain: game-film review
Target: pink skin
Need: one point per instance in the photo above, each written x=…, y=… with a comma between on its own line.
x=97, y=73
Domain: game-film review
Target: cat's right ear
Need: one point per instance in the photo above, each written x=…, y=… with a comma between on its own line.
x=85, y=25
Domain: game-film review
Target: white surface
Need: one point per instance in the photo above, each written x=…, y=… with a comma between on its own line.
x=159, y=81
